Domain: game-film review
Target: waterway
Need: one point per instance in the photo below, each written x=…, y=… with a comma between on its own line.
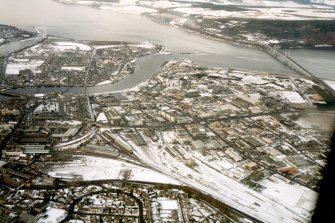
x=318, y=61
x=18, y=45
x=88, y=23
x=5, y=98
x=146, y=67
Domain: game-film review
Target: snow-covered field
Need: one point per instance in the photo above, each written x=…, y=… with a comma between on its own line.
x=273, y=3
x=205, y=12
x=71, y=46
x=95, y=168
x=286, y=10
x=60, y=46
x=281, y=13
x=53, y=215
x=163, y=4
x=14, y=66
x=146, y=45
x=123, y=6
x=293, y=196
x=73, y=68
x=129, y=9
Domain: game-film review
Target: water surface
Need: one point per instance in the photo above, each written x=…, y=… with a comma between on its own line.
x=89, y=23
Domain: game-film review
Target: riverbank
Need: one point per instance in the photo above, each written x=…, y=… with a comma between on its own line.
x=107, y=25
x=15, y=46
x=264, y=47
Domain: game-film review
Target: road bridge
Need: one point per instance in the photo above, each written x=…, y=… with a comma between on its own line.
x=294, y=65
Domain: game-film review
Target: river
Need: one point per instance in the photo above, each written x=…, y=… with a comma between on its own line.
x=18, y=45
x=88, y=23
x=145, y=68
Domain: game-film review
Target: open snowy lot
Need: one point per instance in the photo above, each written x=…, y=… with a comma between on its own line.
x=95, y=168
x=284, y=10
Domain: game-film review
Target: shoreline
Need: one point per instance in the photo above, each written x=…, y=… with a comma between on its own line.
x=191, y=31
x=222, y=39
x=265, y=48
x=142, y=82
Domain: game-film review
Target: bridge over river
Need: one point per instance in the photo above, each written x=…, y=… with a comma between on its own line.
x=285, y=59
x=7, y=49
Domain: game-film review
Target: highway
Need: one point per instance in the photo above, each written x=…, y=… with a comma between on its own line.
x=88, y=69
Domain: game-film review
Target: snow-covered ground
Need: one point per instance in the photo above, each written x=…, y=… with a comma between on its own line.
x=168, y=204
x=62, y=46
x=73, y=122
x=122, y=6
x=164, y=4
x=75, y=143
x=205, y=12
x=87, y=2
x=47, y=107
x=294, y=196
x=291, y=96
x=274, y=3
x=295, y=208
x=105, y=82
x=269, y=3
x=106, y=46
x=147, y=45
x=222, y=187
x=73, y=68
x=284, y=13
x=129, y=9
x=253, y=79
x=53, y=215
x=95, y=168
x=286, y=10
x=102, y=118
x=14, y=66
